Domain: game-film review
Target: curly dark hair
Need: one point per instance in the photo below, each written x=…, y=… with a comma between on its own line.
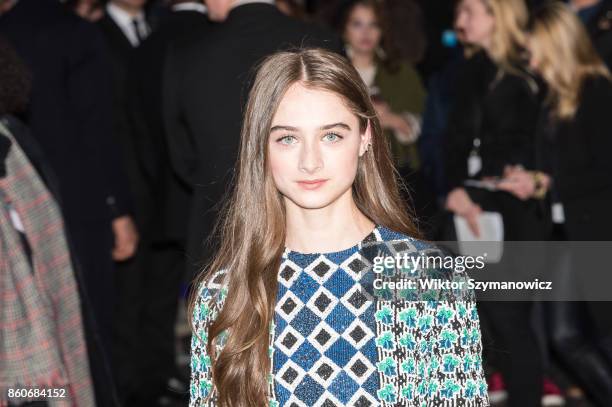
x=391, y=60
x=15, y=81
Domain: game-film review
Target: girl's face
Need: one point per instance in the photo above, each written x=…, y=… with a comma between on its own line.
x=314, y=147
x=362, y=32
x=476, y=22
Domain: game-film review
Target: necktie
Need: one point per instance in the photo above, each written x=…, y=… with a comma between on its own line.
x=137, y=27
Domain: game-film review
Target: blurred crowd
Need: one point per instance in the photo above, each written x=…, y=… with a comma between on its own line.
x=119, y=130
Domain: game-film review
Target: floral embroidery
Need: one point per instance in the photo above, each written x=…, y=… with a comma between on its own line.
x=426, y=352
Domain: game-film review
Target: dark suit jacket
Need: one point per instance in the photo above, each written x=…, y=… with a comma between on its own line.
x=577, y=154
x=122, y=54
x=70, y=105
x=206, y=86
x=170, y=195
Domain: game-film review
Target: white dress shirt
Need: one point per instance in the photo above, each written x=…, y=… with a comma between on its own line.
x=126, y=23
x=199, y=7
x=242, y=2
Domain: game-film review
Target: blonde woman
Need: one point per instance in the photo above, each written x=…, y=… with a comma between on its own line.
x=279, y=317
x=491, y=128
x=576, y=150
x=574, y=155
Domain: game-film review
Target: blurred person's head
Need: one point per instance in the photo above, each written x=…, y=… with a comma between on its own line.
x=562, y=53
x=365, y=30
x=131, y=6
x=6, y=5
x=291, y=8
x=308, y=117
x=90, y=10
x=362, y=27
x=218, y=10
x=495, y=26
x=14, y=81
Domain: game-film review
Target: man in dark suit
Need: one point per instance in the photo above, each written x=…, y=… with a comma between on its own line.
x=164, y=231
x=206, y=84
x=125, y=27
x=69, y=115
x=187, y=20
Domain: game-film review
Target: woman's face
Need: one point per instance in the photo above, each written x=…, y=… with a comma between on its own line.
x=475, y=21
x=314, y=147
x=362, y=31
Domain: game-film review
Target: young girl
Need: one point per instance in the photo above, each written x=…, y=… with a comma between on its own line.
x=279, y=316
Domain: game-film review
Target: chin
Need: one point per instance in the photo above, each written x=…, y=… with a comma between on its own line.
x=311, y=202
x=217, y=17
x=365, y=50
x=313, y=199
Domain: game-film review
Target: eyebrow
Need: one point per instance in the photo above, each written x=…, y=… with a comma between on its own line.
x=326, y=127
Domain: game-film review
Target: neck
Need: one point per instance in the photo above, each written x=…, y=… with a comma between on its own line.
x=362, y=59
x=580, y=4
x=131, y=10
x=338, y=226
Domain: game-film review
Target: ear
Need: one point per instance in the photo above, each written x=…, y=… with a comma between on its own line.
x=366, y=140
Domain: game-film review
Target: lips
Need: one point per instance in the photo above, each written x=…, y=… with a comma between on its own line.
x=366, y=43
x=312, y=184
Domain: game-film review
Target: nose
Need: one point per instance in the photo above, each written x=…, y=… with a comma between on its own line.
x=310, y=160
x=460, y=21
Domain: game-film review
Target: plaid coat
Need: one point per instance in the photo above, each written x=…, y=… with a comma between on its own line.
x=41, y=334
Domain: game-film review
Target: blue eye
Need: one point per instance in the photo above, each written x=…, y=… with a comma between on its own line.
x=286, y=140
x=333, y=137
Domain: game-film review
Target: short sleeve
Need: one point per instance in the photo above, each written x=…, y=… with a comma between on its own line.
x=208, y=303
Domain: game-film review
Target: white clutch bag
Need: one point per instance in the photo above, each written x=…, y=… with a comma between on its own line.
x=490, y=241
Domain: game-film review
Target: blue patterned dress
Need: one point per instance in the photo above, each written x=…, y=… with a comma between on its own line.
x=333, y=345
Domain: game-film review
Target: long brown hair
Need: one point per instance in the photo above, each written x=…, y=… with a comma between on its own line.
x=252, y=226
x=565, y=56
